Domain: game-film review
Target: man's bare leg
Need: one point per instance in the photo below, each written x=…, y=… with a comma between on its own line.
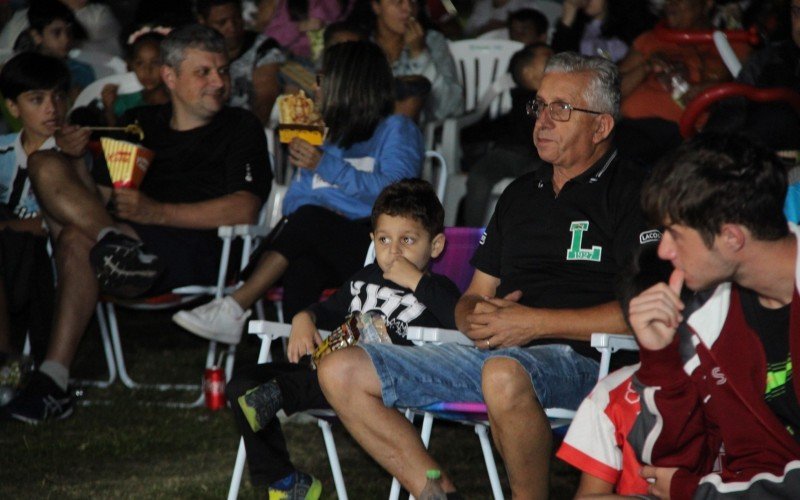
x=353, y=389
x=520, y=429
x=64, y=195
x=270, y=268
x=76, y=295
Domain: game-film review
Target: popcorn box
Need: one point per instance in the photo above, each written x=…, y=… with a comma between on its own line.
x=127, y=162
x=312, y=133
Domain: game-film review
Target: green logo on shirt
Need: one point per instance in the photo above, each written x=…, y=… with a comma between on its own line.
x=575, y=252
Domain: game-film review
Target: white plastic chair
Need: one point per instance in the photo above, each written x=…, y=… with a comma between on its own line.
x=267, y=332
x=103, y=64
x=496, y=34
x=109, y=328
x=128, y=84
x=482, y=67
x=494, y=195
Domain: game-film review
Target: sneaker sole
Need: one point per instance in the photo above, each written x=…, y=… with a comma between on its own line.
x=120, y=273
x=314, y=491
x=35, y=421
x=181, y=318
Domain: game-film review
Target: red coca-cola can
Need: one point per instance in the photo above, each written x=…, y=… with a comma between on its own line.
x=214, y=387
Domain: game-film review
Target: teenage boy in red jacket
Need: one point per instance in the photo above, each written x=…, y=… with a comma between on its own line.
x=718, y=398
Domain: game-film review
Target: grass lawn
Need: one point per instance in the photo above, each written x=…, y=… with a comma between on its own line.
x=120, y=444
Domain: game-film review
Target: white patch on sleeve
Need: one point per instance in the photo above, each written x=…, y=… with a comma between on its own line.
x=364, y=164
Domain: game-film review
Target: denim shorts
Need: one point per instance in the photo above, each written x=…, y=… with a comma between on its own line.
x=414, y=376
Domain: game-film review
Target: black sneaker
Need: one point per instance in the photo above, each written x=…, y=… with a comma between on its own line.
x=122, y=266
x=40, y=400
x=261, y=404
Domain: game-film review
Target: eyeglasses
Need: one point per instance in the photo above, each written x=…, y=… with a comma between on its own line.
x=560, y=111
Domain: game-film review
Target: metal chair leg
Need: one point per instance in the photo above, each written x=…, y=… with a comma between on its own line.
x=333, y=457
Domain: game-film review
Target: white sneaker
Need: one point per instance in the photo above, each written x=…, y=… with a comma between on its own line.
x=221, y=320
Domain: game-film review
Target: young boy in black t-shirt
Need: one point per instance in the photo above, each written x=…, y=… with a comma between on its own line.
x=408, y=225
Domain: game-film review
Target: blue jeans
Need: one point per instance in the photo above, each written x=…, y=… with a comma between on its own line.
x=414, y=376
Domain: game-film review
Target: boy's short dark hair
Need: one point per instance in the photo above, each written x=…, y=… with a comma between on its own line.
x=41, y=13
x=715, y=179
x=203, y=7
x=414, y=199
x=33, y=71
x=531, y=16
x=522, y=58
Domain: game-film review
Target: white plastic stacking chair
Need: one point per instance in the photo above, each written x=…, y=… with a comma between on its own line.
x=482, y=67
x=128, y=84
x=107, y=319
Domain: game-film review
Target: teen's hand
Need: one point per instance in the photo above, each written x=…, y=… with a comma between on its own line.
x=132, y=205
x=302, y=154
x=403, y=272
x=304, y=337
x=109, y=96
x=659, y=478
x=72, y=140
x=656, y=313
x=414, y=37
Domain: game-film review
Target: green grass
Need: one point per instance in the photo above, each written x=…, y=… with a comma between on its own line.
x=122, y=444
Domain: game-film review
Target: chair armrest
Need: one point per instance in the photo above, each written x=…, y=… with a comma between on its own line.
x=274, y=329
x=418, y=334
x=241, y=230
x=614, y=341
x=608, y=344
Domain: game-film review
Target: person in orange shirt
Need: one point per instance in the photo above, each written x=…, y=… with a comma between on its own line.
x=648, y=89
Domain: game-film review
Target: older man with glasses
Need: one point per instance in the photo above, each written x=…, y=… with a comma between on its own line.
x=544, y=281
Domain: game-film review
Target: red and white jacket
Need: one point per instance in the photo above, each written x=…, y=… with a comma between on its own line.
x=703, y=408
x=596, y=442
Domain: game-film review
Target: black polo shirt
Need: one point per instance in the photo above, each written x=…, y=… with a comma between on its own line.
x=566, y=251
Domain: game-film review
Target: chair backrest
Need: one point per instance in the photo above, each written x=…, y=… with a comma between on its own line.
x=454, y=261
x=434, y=170
x=497, y=34
x=103, y=64
x=128, y=84
x=479, y=63
x=273, y=208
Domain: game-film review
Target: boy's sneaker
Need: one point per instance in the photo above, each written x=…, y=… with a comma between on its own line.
x=40, y=400
x=221, y=320
x=14, y=370
x=261, y=404
x=122, y=266
x=302, y=486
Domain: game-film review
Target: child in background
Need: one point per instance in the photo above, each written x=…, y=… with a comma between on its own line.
x=35, y=89
x=144, y=59
x=408, y=225
x=503, y=147
x=52, y=25
x=597, y=440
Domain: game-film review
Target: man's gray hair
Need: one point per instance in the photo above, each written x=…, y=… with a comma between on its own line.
x=192, y=36
x=603, y=92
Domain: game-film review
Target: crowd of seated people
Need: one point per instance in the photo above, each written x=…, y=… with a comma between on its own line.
x=605, y=191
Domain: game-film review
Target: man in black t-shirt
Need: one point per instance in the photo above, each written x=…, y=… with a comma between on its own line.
x=210, y=169
x=719, y=400
x=544, y=278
